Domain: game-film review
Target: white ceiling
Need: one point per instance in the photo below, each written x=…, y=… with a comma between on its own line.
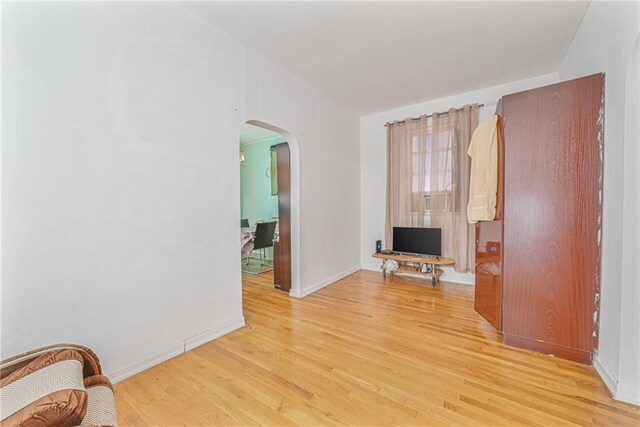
x=375, y=56
x=250, y=134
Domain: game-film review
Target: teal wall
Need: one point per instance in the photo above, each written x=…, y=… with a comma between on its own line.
x=256, y=201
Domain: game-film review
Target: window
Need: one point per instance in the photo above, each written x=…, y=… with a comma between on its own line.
x=436, y=188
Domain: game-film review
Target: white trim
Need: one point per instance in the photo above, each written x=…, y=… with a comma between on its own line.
x=628, y=395
x=323, y=284
x=210, y=335
x=452, y=276
x=607, y=378
x=457, y=282
x=294, y=160
x=147, y=363
x=618, y=391
x=176, y=350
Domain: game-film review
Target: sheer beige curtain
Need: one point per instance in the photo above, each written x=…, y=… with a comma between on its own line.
x=404, y=205
x=428, y=179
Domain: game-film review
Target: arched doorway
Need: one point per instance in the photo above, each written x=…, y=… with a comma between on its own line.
x=285, y=154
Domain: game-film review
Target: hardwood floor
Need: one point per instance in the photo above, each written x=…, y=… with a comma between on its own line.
x=363, y=353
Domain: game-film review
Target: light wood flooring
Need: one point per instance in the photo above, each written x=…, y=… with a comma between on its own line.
x=361, y=352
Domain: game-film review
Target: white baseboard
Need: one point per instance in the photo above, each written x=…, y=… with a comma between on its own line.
x=628, y=395
x=618, y=391
x=607, y=378
x=212, y=334
x=314, y=288
x=366, y=267
x=176, y=350
x=460, y=280
x=147, y=363
x=371, y=264
x=452, y=276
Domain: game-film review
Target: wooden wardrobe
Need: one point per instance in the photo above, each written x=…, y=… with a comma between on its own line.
x=538, y=263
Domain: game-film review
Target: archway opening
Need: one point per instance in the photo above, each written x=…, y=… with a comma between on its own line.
x=269, y=207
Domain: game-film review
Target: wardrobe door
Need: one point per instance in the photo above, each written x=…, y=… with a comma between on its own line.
x=488, y=289
x=552, y=211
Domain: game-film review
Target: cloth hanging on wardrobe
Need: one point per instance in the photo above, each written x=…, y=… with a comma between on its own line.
x=483, y=184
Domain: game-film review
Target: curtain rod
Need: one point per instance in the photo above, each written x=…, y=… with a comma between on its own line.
x=488, y=104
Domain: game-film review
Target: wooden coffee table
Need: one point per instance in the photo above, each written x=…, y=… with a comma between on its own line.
x=412, y=264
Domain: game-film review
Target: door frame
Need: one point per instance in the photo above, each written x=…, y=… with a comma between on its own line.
x=294, y=159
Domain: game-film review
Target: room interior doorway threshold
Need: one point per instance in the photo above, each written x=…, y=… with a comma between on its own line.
x=256, y=267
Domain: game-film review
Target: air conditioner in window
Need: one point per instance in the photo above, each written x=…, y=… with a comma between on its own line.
x=438, y=201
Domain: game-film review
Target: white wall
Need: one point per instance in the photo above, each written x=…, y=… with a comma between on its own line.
x=373, y=158
x=628, y=387
x=604, y=43
x=120, y=177
x=329, y=169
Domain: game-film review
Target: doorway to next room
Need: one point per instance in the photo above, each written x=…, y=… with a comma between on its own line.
x=265, y=206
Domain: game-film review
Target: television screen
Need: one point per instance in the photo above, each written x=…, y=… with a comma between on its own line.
x=424, y=241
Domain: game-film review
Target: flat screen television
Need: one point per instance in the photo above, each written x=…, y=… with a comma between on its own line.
x=414, y=240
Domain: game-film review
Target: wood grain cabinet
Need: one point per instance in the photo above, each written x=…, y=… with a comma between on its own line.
x=550, y=251
x=488, y=290
x=282, y=248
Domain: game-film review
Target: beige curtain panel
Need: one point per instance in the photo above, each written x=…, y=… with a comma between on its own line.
x=428, y=179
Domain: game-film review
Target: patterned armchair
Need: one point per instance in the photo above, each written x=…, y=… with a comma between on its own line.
x=58, y=385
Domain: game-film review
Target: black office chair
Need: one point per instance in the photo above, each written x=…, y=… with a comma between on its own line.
x=244, y=223
x=263, y=238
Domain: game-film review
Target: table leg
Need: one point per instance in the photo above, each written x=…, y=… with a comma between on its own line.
x=434, y=279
